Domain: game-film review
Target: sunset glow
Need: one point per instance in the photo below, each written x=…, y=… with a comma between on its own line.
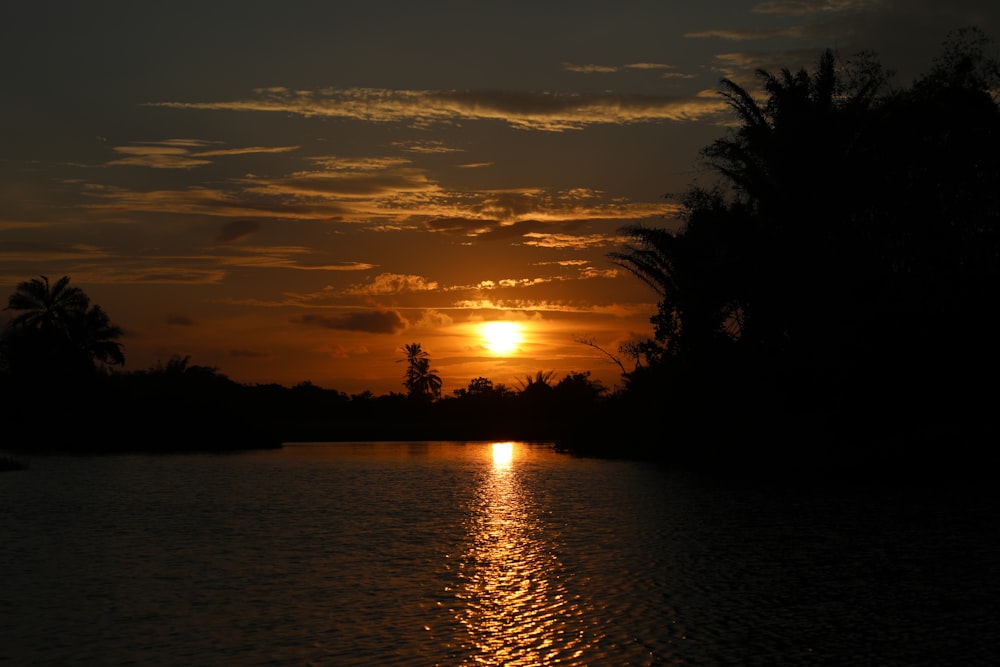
x=342, y=179
x=501, y=338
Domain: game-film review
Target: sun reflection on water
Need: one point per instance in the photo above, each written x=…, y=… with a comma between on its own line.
x=513, y=604
x=503, y=454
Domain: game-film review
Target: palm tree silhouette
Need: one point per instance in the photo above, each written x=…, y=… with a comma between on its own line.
x=420, y=380
x=47, y=307
x=57, y=331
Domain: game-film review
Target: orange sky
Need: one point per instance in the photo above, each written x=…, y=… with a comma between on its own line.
x=293, y=191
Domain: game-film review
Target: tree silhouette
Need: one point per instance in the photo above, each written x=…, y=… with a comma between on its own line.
x=539, y=382
x=56, y=333
x=846, y=256
x=420, y=380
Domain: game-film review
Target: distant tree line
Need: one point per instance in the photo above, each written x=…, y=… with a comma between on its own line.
x=63, y=388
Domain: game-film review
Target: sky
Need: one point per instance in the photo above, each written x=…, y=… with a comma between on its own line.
x=293, y=191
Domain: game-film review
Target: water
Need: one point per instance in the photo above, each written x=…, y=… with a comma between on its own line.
x=481, y=554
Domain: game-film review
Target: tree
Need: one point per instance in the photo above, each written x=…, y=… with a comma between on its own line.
x=848, y=255
x=420, y=380
x=541, y=381
x=57, y=333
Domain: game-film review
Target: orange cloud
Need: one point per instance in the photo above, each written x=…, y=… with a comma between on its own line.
x=546, y=111
x=392, y=283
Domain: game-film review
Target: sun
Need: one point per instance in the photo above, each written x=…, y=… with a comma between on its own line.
x=501, y=338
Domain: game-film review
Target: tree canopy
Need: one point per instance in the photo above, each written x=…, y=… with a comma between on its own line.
x=56, y=333
x=846, y=257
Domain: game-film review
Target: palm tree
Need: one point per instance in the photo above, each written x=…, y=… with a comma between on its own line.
x=420, y=380
x=57, y=332
x=98, y=337
x=696, y=273
x=46, y=307
x=541, y=381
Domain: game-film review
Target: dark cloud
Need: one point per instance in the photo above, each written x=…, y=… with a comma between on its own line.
x=237, y=230
x=372, y=321
x=180, y=321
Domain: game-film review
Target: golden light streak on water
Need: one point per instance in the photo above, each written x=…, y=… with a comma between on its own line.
x=515, y=608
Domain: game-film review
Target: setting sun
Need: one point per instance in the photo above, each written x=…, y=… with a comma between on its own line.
x=501, y=337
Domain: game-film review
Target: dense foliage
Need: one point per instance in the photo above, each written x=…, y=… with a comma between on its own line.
x=842, y=271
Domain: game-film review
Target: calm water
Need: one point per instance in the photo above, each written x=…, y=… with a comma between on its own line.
x=481, y=554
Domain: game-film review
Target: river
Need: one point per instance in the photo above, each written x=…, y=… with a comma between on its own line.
x=478, y=553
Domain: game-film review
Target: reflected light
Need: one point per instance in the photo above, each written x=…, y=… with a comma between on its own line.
x=503, y=454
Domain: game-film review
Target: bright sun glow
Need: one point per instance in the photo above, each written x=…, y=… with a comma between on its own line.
x=503, y=454
x=501, y=337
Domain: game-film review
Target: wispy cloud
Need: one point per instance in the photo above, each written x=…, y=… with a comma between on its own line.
x=285, y=257
x=179, y=153
x=653, y=66
x=525, y=110
x=345, y=184
x=590, y=69
x=741, y=66
x=426, y=147
x=744, y=34
x=801, y=7
x=571, y=241
x=549, y=306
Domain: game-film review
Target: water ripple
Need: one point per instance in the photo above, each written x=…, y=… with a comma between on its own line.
x=439, y=554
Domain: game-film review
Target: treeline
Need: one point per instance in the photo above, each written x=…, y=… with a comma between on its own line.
x=62, y=388
x=179, y=406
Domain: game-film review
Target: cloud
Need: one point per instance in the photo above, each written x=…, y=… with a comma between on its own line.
x=590, y=69
x=801, y=7
x=345, y=184
x=742, y=66
x=503, y=214
x=156, y=157
x=206, y=201
x=433, y=319
x=649, y=66
x=247, y=150
x=545, y=111
x=548, y=240
x=511, y=282
x=178, y=154
x=392, y=283
x=372, y=321
x=285, y=257
x=337, y=163
x=426, y=147
x=180, y=321
x=237, y=230
x=743, y=34
x=537, y=306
